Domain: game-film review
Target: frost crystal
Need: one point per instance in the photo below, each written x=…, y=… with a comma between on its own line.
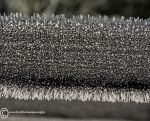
x=85, y=58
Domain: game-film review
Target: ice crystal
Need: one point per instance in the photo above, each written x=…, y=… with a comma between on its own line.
x=83, y=57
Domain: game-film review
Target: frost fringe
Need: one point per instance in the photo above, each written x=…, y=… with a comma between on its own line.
x=83, y=94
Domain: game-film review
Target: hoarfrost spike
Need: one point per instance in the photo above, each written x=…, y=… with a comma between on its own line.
x=85, y=58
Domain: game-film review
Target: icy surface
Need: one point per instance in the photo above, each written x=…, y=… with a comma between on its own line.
x=83, y=94
x=80, y=52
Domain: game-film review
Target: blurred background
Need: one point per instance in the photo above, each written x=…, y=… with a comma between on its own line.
x=127, y=8
x=61, y=110
x=77, y=110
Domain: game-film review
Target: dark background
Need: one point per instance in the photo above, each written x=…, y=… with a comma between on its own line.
x=77, y=109
x=127, y=8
